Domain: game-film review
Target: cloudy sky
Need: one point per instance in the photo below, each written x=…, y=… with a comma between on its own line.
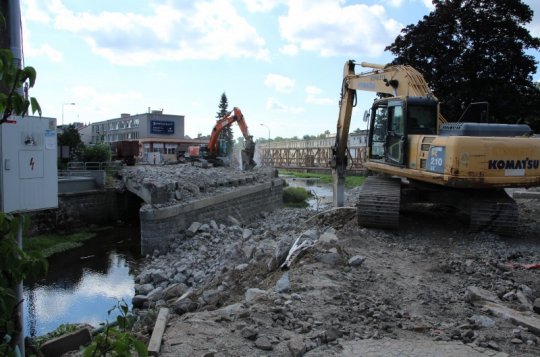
x=279, y=61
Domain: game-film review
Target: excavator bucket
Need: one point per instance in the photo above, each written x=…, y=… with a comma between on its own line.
x=247, y=154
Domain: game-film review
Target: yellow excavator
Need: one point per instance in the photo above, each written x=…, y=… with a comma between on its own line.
x=416, y=156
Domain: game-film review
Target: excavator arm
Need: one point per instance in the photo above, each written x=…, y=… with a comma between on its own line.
x=393, y=80
x=228, y=119
x=233, y=116
x=339, y=151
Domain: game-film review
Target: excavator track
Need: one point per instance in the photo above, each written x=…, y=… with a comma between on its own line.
x=498, y=214
x=379, y=202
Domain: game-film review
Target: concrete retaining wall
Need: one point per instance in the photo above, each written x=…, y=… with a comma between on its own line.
x=81, y=209
x=160, y=225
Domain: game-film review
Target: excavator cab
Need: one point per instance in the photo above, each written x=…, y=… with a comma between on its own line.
x=393, y=120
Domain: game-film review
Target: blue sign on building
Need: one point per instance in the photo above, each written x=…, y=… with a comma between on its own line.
x=161, y=127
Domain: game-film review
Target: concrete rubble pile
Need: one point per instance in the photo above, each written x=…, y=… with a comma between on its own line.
x=172, y=184
x=353, y=291
x=208, y=250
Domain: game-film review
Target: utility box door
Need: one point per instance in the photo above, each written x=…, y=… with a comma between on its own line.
x=29, y=176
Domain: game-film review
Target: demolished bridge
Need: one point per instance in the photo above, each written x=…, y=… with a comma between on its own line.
x=174, y=196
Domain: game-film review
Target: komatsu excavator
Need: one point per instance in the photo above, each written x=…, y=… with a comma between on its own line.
x=418, y=157
x=214, y=152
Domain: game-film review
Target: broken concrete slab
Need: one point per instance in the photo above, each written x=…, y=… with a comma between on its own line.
x=474, y=293
x=70, y=342
x=517, y=317
x=486, y=299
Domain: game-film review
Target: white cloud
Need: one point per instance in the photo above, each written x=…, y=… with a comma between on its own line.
x=429, y=4
x=44, y=50
x=331, y=29
x=274, y=105
x=396, y=3
x=314, y=96
x=261, y=5
x=313, y=90
x=209, y=29
x=290, y=49
x=102, y=102
x=311, y=99
x=34, y=11
x=280, y=83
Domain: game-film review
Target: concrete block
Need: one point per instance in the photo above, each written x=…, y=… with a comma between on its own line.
x=66, y=343
x=526, y=194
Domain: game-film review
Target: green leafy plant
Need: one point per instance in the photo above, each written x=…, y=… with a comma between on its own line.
x=117, y=338
x=15, y=265
x=12, y=79
x=96, y=153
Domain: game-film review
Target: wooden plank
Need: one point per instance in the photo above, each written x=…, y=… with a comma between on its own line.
x=159, y=329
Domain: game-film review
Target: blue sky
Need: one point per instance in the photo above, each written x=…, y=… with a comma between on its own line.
x=279, y=61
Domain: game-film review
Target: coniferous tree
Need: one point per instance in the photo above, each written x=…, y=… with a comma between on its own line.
x=472, y=51
x=226, y=134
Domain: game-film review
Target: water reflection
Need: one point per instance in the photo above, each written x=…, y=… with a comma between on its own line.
x=84, y=283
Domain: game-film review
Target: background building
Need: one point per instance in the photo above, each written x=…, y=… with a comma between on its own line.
x=154, y=131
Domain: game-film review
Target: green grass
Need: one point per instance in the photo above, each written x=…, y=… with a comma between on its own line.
x=49, y=244
x=295, y=197
x=350, y=181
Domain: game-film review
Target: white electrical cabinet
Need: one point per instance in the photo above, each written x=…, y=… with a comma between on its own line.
x=29, y=176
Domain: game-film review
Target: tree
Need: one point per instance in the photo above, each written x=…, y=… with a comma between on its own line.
x=70, y=137
x=226, y=133
x=96, y=153
x=472, y=51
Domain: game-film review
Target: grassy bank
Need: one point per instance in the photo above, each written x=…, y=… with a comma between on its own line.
x=295, y=197
x=49, y=244
x=350, y=181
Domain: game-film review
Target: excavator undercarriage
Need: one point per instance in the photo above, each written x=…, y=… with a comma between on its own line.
x=382, y=198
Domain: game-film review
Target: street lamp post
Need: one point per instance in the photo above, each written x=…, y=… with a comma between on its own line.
x=63, y=105
x=267, y=127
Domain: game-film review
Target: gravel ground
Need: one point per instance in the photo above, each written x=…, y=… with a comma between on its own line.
x=352, y=291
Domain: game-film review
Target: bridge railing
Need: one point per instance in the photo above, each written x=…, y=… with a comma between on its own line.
x=109, y=167
x=98, y=170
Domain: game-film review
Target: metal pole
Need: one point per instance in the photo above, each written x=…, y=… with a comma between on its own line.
x=20, y=296
x=14, y=23
x=64, y=104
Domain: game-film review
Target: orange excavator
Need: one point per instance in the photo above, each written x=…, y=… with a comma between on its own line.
x=215, y=151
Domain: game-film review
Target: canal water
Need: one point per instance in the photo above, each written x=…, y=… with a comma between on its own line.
x=322, y=195
x=82, y=284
